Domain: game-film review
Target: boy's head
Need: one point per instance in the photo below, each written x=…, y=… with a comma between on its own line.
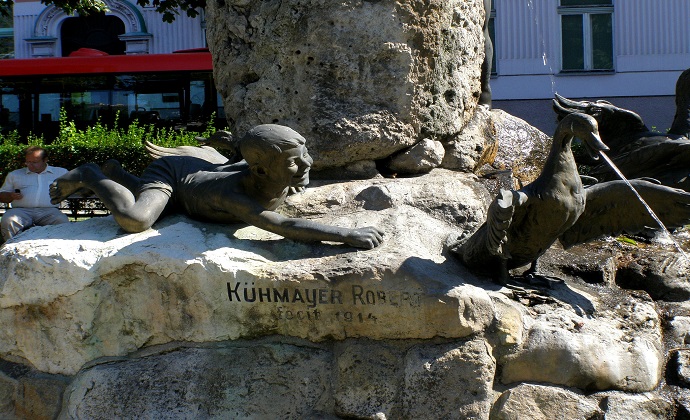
x=266, y=141
x=264, y=144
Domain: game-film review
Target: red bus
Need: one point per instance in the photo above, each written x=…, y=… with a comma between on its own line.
x=168, y=90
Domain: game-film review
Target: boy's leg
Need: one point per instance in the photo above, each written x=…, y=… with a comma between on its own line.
x=144, y=212
x=132, y=215
x=113, y=170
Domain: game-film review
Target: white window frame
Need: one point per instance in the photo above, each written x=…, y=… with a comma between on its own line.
x=492, y=17
x=586, y=12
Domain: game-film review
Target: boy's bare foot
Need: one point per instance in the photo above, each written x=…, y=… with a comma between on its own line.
x=72, y=181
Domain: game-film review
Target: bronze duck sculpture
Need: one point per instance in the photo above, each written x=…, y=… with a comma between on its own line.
x=637, y=151
x=521, y=225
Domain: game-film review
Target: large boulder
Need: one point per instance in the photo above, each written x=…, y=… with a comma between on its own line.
x=591, y=354
x=359, y=79
x=190, y=319
x=107, y=293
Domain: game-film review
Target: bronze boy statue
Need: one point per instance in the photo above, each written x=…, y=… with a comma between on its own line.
x=276, y=160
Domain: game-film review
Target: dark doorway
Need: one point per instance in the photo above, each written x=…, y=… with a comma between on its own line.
x=99, y=32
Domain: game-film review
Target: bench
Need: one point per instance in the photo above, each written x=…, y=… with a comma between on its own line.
x=76, y=207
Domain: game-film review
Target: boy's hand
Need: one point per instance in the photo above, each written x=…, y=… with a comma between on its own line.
x=296, y=190
x=367, y=237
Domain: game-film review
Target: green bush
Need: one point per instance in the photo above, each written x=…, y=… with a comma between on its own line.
x=98, y=143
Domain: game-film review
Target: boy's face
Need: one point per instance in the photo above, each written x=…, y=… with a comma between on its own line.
x=291, y=167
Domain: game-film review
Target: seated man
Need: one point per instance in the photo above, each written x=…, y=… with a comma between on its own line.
x=276, y=160
x=27, y=190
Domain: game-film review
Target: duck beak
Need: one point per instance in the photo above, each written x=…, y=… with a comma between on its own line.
x=595, y=145
x=569, y=104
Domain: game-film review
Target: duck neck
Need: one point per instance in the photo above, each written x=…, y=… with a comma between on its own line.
x=681, y=121
x=560, y=164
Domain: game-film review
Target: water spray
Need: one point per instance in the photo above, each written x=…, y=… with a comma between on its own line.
x=646, y=206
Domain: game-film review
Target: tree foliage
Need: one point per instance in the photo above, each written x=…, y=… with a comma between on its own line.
x=169, y=9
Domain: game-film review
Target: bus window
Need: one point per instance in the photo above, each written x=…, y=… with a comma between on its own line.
x=9, y=112
x=87, y=108
x=154, y=108
x=220, y=108
x=154, y=99
x=172, y=90
x=49, y=114
x=202, y=102
x=197, y=98
x=119, y=100
x=49, y=107
x=82, y=106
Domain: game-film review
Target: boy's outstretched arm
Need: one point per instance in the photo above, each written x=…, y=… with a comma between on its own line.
x=310, y=231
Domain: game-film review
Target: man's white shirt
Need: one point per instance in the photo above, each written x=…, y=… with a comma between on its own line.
x=34, y=187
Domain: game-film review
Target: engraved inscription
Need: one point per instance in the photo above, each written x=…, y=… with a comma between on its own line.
x=359, y=295
x=246, y=292
x=312, y=304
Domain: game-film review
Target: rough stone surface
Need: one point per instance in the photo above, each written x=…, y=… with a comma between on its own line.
x=229, y=380
x=363, y=169
x=679, y=330
x=665, y=276
x=417, y=381
x=8, y=390
x=359, y=79
x=648, y=406
x=681, y=362
x=368, y=378
x=438, y=369
x=29, y=394
x=39, y=397
x=594, y=262
x=207, y=383
x=538, y=402
x=476, y=145
x=592, y=354
x=420, y=158
x=521, y=147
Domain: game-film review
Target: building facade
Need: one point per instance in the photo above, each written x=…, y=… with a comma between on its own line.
x=127, y=28
x=629, y=52
x=120, y=70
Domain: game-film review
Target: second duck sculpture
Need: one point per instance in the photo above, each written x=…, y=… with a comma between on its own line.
x=521, y=225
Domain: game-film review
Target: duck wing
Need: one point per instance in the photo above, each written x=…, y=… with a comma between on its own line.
x=485, y=249
x=206, y=153
x=612, y=208
x=500, y=216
